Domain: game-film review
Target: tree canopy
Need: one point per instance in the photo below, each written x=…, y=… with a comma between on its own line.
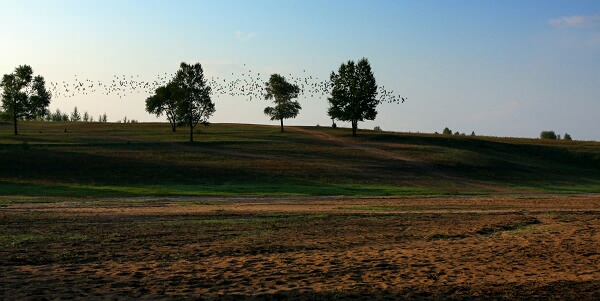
x=194, y=104
x=165, y=101
x=353, y=94
x=24, y=96
x=548, y=135
x=282, y=93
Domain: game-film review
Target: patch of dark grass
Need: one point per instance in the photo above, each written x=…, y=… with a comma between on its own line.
x=232, y=159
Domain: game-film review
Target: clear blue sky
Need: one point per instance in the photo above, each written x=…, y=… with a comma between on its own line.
x=501, y=68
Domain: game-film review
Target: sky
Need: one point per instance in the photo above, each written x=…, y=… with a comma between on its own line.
x=498, y=68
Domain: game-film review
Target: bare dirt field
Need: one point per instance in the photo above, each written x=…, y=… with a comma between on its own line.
x=411, y=248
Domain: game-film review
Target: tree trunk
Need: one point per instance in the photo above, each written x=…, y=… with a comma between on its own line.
x=281, y=124
x=191, y=133
x=354, y=126
x=15, y=120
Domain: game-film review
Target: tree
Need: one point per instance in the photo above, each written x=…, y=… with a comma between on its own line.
x=548, y=135
x=447, y=131
x=194, y=105
x=282, y=93
x=75, y=116
x=86, y=116
x=24, y=96
x=56, y=116
x=164, y=101
x=353, y=94
x=567, y=137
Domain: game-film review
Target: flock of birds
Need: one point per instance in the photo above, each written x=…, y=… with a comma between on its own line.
x=247, y=84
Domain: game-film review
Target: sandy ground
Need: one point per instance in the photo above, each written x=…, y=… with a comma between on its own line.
x=415, y=248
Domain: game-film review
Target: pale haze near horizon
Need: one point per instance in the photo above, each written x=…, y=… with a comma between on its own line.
x=498, y=68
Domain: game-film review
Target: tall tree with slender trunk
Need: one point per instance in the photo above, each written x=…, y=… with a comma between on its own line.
x=24, y=96
x=282, y=93
x=353, y=94
x=194, y=105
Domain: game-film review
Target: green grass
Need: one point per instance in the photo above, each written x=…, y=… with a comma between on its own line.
x=147, y=159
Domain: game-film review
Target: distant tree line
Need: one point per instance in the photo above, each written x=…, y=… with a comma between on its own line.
x=74, y=116
x=447, y=131
x=551, y=135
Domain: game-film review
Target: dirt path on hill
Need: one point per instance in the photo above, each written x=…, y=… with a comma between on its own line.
x=423, y=166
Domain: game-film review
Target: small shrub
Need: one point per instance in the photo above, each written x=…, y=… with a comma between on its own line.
x=473, y=133
x=567, y=137
x=333, y=125
x=457, y=133
x=548, y=135
x=377, y=128
x=447, y=131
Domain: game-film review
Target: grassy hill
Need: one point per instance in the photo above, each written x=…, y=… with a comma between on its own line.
x=112, y=159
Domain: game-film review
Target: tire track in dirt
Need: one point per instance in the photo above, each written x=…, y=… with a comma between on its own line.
x=415, y=163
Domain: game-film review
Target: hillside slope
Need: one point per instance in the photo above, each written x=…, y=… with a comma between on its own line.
x=107, y=159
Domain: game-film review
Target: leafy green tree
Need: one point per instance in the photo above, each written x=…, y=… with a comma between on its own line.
x=195, y=105
x=86, y=116
x=567, y=137
x=548, y=135
x=75, y=116
x=164, y=101
x=447, y=131
x=57, y=115
x=282, y=93
x=353, y=94
x=24, y=96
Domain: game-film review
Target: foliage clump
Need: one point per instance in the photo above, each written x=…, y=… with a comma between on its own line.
x=353, y=94
x=24, y=96
x=282, y=93
x=185, y=99
x=551, y=135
